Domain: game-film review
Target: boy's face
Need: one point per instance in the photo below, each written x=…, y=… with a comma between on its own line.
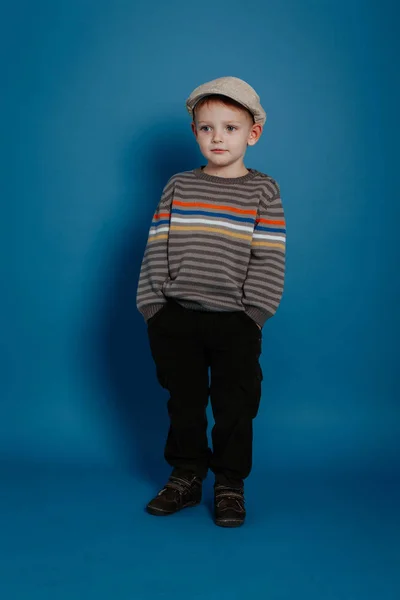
x=225, y=128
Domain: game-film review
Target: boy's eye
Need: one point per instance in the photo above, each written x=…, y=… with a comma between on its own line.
x=207, y=128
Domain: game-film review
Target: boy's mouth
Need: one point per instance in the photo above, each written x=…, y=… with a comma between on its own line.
x=218, y=151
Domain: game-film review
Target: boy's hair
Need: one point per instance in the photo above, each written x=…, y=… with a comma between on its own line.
x=224, y=100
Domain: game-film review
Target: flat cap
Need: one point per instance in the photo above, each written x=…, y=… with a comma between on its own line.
x=234, y=88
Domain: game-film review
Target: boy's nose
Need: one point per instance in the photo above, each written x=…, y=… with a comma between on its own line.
x=217, y=137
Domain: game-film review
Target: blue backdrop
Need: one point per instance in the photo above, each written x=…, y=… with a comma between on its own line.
x=94, y=123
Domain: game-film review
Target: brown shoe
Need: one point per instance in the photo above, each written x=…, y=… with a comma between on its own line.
x=229, y=506
x=178, y=493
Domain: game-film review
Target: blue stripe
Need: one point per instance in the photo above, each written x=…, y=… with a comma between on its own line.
x=156, y=223
x=271, y=229
x=205, y=213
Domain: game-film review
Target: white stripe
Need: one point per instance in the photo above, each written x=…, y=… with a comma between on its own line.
x=266, y=236
x=209, y=222
x=156, y=230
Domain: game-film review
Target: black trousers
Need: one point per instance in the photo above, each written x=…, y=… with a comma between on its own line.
x=184, y=344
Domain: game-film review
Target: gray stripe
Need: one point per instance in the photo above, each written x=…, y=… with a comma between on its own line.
x=208, y=268
x=212, y=250
x=205, y=191
x=196, y=269
x=210, y=259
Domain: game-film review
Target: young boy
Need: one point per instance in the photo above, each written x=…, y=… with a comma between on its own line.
x=212, y=274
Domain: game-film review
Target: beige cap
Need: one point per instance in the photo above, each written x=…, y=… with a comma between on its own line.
x=234, y=88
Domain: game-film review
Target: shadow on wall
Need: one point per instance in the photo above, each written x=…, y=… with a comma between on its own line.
x=123, y=359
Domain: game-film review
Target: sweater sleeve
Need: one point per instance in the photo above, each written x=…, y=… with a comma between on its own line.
x=263, y=287
x=154, y=269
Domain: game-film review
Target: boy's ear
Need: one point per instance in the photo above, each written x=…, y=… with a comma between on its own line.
x=194, y=129
x=255, y=134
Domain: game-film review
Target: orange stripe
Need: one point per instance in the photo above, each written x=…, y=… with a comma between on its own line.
x=269, y=244
x=240, y=236
x=216, y=206
x=167, y=215
x=160, y=236
x=271, y=222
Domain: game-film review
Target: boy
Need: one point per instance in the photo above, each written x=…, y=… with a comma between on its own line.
x=212, y=274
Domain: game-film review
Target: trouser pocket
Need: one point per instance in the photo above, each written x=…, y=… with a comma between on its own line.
x=251, y=322
x=252, y=384
x=155, y=317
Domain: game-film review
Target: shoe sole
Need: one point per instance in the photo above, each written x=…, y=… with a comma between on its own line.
x=229, y=522
x=159, y=512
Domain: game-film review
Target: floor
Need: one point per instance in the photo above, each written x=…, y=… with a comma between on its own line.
x=74, y=533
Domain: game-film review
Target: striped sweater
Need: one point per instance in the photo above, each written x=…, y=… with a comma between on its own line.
x=216, y=244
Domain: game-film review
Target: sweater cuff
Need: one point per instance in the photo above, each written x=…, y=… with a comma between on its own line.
x=150, y=310
x=258, y=315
